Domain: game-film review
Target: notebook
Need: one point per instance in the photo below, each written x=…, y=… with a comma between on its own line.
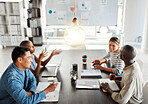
x=51, y=96
x=87, y=83
x=51, y=70
x=91, y=73
x=112, y=84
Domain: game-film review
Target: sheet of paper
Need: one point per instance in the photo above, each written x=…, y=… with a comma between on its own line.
x=87, y=83
x=85, y=15
x=51, y=79
x=84, y=5
x=63, y=1
x=112, y=84
x=51, y=96
x=62, y=17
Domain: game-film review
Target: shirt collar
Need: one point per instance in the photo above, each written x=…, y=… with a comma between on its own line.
x=128, y=67
x=17, y=69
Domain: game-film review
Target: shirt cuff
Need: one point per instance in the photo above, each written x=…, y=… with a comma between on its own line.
x=116, y=71
x=33, y=89
x=114, y=95
x=42, y=93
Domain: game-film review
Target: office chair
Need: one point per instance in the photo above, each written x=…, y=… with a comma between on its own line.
x=145, y=94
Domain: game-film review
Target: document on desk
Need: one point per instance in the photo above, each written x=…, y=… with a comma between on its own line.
x=112, y=84
x=87, y=83
x=51, y=96
x=91, y=73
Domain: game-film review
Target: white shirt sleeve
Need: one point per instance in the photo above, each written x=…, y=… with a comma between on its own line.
x=126, y=92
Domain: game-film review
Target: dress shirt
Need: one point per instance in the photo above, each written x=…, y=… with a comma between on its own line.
x=13, y=86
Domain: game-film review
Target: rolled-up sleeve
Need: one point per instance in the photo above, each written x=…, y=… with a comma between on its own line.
x=107, y=57
x=126, y=92
x=15, y=89
x=118, y=68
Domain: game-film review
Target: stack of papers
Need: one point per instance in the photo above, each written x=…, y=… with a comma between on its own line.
x=51, y=96
x=91, y=73
x=112, y=84
x=87, y=83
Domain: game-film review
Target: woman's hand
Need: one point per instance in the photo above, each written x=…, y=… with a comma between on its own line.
x=98, y=67
x=96, y=62
x=55, y=52
x=42, y=55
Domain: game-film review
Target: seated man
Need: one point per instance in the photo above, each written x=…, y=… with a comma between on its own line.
x=131, y=82
x=18, y=84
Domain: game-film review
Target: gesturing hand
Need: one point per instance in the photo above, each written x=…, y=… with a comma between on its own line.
x=43, y=54
x=55, y=52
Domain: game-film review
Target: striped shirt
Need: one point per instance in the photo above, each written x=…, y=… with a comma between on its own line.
x=116, y=61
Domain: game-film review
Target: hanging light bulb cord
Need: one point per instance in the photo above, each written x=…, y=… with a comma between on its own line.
x=37, y=4
x=75, y=18
x=75, y=8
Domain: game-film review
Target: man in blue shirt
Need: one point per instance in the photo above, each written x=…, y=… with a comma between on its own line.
x=18, y=84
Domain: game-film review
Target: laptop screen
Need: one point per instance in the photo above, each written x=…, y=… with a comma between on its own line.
x=51, y=69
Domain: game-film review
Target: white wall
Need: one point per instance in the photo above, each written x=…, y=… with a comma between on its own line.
x=133, y=19
x=145, y=32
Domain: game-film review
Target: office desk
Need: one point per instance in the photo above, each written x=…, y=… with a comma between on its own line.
x=68, y=93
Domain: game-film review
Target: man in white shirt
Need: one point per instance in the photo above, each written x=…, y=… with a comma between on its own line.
x=132, y=81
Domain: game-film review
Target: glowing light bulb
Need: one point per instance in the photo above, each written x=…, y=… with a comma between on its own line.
x=75, y=35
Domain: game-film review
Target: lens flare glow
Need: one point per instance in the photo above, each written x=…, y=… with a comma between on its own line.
x=75, y=35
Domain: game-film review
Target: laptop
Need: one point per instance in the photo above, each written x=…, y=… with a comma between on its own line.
x=51, y=70
x=91, y=73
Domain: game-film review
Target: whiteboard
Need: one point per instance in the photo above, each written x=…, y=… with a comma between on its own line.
x=88, y=12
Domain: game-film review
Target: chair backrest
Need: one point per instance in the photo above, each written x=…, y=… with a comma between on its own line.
x=145, y=94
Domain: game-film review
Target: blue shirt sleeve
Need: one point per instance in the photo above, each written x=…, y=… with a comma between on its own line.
x=15, y=89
